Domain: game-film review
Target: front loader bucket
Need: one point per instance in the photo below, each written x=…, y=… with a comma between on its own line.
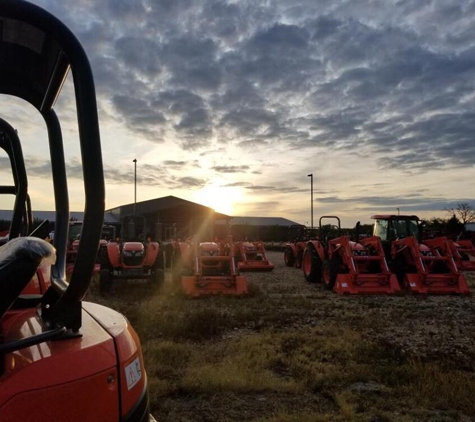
x=252, y=257
x=196, y=286
x=367, y=270
x=369, y=284
x=255, y=266
x=437, y=284
x=434, y=270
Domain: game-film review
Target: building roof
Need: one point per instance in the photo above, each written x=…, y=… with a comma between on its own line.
x=112, y=215
x=258, y=221
x=159, y=204
x=51, y=216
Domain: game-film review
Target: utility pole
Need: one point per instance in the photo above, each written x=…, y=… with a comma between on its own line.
x=135, y=184
x=311, y=196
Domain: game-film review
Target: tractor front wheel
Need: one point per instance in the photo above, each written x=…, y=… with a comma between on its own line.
x=289, y=257
x=311, y=265
x=329, y=273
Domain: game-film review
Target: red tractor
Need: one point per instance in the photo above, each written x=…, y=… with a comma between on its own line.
x=74, y=237
x=251, y=256
x=422, y=266
x=131, y=260
x=207, y=268
x=62, y=359
x=346, y=266
x=463, y=252
x=293, y=252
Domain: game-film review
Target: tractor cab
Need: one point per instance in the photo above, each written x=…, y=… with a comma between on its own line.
x=86, y=356
x=392, y=227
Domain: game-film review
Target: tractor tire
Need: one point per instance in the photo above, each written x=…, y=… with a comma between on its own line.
x=104, y=259
x=329, y=273
x=159, y=263
x=177, y=268
x=289, y=257
x=311, y=265
x=157, y=279
x=105, y=282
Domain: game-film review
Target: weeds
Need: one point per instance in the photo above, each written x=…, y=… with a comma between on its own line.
x=293, y=352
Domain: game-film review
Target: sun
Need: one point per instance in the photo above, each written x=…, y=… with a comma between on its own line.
x=221, y=199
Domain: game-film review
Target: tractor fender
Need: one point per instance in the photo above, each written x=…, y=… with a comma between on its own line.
x=151, y=251
x=184, y=252
x=293, y=247
x=132, y=378
x=113, y=252
x=316, y=244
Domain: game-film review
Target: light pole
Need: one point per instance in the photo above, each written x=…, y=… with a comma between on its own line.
x=311, y=196
x=135, y=183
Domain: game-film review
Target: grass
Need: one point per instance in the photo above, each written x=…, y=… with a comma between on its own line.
x=294, y=352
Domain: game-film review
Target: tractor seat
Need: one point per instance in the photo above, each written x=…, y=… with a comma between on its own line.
x=19, y=261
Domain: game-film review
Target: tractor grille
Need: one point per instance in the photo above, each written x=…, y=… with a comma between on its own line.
x=132, y=259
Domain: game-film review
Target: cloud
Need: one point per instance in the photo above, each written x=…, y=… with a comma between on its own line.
x=378, y=204
x=389, y=84
x=255, y=74
x=230, y=169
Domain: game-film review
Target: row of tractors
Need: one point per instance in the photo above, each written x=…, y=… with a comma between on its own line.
x=202, y=268
x=396, y=258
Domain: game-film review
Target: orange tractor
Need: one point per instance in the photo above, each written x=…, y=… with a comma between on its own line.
x=74, y=237
x=251, y=256
x=55, y=345
x=422, y=266
x=463, y=252
x=207, y=268
x=346, y=266
x=128, y=258
x=293, y=252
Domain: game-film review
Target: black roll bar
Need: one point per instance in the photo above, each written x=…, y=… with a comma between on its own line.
x=11, y=144
x=34, y=68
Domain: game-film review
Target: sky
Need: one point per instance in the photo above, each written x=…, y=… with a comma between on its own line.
x=232, y=104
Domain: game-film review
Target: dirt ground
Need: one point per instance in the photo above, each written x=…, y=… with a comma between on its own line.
x=426, y=326
x=327, y=357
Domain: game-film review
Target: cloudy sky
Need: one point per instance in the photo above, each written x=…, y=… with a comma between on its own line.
x=232, y=104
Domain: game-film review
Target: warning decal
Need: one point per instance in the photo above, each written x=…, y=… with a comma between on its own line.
x=133, y=373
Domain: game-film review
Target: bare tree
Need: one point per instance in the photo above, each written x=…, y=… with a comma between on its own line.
x=463, y=211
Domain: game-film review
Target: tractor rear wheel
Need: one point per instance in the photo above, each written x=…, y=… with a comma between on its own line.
x=158, y=278
x=159, y=261
x=105, y=282
x=104, y=258
x=329, y=273
x=289, y=257
x=311, y=265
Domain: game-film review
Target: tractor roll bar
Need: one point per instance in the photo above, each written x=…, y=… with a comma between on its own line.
x=329, y=217
x=37, y=51
x=11, y=144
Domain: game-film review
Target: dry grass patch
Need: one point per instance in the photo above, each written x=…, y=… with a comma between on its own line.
x=292, y=351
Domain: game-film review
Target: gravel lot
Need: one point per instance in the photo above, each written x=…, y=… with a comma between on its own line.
x=429, y=327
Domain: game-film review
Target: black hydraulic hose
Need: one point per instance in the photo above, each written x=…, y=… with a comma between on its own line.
x=31, y=341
